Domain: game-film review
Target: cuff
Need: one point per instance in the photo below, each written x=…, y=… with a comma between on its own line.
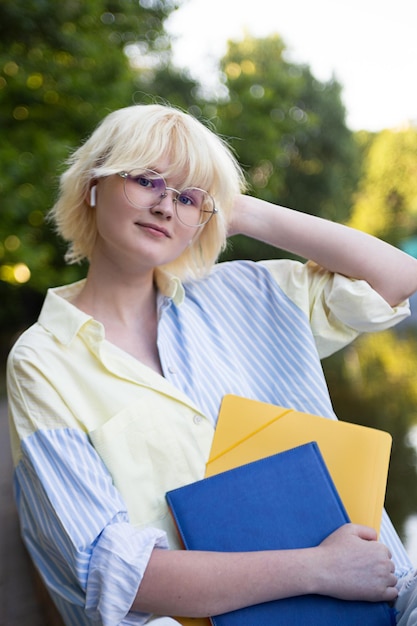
x=357, y=305
x=117, y=565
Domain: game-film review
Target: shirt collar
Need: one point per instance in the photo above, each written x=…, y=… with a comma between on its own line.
x=59, y=316
x=64, y=320
x=170, y=286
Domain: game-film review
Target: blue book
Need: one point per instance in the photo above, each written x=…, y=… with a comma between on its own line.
x=287, y=500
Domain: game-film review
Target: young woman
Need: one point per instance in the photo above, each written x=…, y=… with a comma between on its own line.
x=115, y=391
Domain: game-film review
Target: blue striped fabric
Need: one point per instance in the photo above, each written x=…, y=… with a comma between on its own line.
x=236, y=332
x=69, y=509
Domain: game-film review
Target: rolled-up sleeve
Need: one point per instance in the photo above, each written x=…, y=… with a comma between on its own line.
x=76, y=527
x=339, y=308
x=116, y=569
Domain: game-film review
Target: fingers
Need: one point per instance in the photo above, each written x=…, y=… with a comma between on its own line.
x=367, y=566
x=364, y=532
x=391, y=592
x=388, y=578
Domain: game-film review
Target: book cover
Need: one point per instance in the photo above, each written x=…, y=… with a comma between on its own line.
x=284, y=501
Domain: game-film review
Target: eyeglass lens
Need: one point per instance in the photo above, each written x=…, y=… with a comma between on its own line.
x=146, y=188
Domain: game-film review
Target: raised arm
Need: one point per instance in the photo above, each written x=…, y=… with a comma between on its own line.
x=338, y=248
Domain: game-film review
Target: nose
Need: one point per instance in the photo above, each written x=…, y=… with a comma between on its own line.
x=165, y=205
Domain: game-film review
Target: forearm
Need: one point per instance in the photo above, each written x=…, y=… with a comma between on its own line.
x=334, y=246
x=349, y=564
x=199, y=584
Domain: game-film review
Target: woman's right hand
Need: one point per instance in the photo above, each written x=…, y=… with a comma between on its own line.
x=355, y=566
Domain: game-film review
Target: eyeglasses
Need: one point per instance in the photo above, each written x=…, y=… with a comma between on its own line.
x=145, y=189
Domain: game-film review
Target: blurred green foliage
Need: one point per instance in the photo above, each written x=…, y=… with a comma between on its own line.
x=290, y=133
x=63, y=67
x=386, y=201
x=288, y=129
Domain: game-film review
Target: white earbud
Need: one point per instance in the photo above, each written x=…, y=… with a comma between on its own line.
x=93, y=196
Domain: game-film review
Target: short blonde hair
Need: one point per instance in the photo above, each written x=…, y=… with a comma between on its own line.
x=140, y=136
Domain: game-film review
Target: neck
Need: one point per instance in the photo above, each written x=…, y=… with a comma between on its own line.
x=126, y=306
x=116, y=295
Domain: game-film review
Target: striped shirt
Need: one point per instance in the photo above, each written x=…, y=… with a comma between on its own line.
x=98, y=438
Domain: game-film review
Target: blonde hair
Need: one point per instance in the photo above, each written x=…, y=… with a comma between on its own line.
x=140, y=136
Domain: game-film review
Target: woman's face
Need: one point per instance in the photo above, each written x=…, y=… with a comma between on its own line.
x=144, y=238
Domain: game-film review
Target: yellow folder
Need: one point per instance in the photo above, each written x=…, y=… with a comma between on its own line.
x=357, y=457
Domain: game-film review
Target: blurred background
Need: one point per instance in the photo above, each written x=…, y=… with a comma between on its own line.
x=318, y=102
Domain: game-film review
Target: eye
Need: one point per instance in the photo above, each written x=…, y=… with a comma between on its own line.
x=190, y=197
x=144, y=181
x=186, y=200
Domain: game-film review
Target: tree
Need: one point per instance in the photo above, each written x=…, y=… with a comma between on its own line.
x=288, y=130
x=64, y=66
x=386, y=201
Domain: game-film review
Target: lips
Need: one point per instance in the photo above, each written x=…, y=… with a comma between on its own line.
x=154, y=227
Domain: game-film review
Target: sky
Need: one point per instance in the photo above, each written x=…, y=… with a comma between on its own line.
x=370, y=46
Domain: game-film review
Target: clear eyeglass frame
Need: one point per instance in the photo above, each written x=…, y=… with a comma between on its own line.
x=159, y=192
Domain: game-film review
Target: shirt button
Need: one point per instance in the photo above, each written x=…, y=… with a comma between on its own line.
x=171, y=370
x=197, y=419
